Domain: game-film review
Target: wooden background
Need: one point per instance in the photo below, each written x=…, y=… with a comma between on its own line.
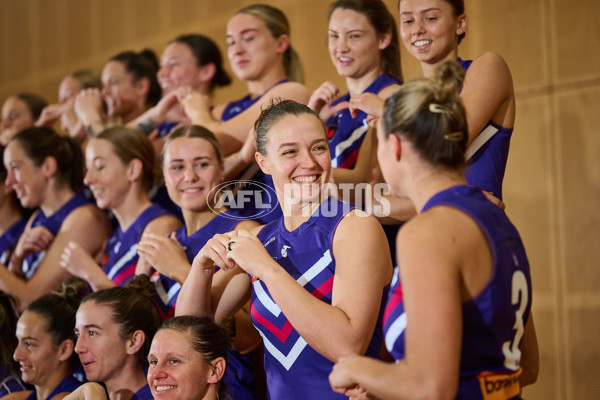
x=552, y=184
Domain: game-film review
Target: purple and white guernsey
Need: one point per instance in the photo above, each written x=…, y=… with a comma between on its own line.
x=487, y=155
x=53, y=224
x=493, y=321
x=295, y=370
x=253, y=172
x=346, y=134
x=239, y=376
x=121, y=249
x=167, y=288
x=9, y=239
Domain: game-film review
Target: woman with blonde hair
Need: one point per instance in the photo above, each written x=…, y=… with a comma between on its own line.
x=458, y=320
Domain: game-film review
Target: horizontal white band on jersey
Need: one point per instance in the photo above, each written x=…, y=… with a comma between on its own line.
x=480, y=140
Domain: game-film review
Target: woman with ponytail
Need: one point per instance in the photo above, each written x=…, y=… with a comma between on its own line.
x=260, y=53
x=189, y=62
x=120, y=168
x=114, y=329
x=365, y=50
x=187, y=358
x=46, y=342
x=12, y=216
x=129, y=89
x=46, y=171
x=458, y=319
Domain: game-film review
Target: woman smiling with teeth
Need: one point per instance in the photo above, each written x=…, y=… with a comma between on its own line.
x=431, y=31
x=364, y=48
x=316, y=285
x=120, y=168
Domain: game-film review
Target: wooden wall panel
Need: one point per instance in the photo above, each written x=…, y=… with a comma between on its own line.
x=518, y=35
x=549, y=385
x=528, y=189
x=78, y=36
x=552, y=182
x=584, y=353
x=16, y=40
x=580, y=187
x=575, y=34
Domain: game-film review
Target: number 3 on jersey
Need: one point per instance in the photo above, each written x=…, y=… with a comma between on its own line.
x=520, y=297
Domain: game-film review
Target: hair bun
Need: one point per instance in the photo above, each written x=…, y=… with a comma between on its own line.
x=141, y=284
x=447, y=80
x=73, y=291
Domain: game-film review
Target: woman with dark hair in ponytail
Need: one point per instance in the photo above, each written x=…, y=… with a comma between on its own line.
x=114, y=329
x=189, y=62
x=46, y=342
x=120, y=168
x=12, y=216
x=187, y=358
x=365, y=50
x=458, y=319
x=46, y=171
x=19, y=112
x=129, y=89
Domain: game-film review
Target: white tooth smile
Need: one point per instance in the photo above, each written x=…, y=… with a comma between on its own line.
x=163, y=388
x=345, y=59
x=420, y=43
x=305, y=179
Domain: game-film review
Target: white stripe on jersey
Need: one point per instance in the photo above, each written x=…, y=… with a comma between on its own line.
x=290, y=359
x=394, y=332
x=356, y=135
x=29, y=270
x=4, y=257
x=310, y=273
x=480, y=140
x=316, y=269
x=131, y=253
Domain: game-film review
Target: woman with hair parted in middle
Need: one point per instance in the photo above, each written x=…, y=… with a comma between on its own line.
x=120, y=168
x=364, y=48
x=45, y=170
x=187, y=358
x=189, y=62
x=193, y=169
x=46, y=342
x=261, y=54
x=114, y=329
x=313, y=299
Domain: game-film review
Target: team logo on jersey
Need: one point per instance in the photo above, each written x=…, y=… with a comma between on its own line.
x=284, y=250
